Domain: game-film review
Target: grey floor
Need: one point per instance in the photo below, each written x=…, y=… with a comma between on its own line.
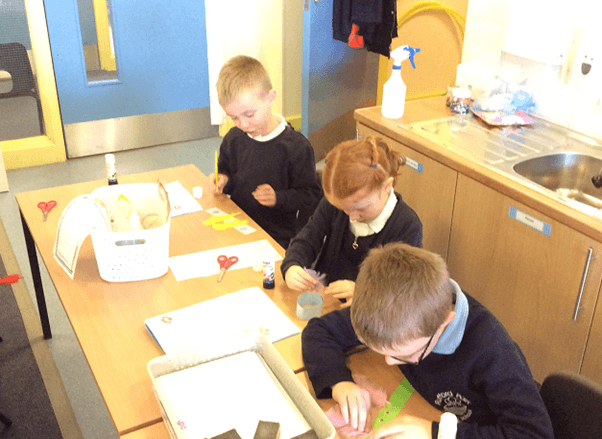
x=87, y=403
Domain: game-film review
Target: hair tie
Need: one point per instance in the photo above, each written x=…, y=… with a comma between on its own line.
x=373, y=166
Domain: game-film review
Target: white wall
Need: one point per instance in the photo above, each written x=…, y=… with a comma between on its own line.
x=242, y=27
x=544, y=47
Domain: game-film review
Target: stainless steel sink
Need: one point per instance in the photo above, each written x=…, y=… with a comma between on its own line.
x=569, y=174
x=548, y=158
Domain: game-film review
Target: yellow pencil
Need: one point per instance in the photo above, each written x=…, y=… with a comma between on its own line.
x=216, y=184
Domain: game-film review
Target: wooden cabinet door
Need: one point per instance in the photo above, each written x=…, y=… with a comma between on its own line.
x=592, y=362
x=529, y=276
x=426, y=186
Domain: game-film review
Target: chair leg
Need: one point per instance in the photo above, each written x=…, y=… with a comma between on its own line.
x=5, y=420
x=40, y=116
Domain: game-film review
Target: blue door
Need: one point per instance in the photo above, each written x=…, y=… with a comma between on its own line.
x=336, y=80
x=161, y=93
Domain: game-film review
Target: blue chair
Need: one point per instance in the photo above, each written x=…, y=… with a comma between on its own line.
x=574, y=404
x=14, y=60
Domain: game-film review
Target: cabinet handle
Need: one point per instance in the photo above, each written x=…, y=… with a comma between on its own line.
x=578, y=306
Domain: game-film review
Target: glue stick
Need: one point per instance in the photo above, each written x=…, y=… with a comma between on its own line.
x=268, y=269
x=448, y=426
x=111, y=171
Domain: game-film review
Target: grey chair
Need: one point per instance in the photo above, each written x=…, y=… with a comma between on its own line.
x=574, y=404
x=14, y=60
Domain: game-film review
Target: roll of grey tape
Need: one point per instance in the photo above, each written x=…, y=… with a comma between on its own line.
x=309, y=305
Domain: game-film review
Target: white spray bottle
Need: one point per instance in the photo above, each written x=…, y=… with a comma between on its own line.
x=394, y=90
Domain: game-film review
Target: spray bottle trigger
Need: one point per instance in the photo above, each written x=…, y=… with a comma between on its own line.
x=412, y=53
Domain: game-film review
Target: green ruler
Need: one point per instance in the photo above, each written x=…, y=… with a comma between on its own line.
x=395, y=404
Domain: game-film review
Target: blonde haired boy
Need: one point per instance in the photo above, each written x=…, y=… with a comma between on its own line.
x=239, y=74
x=452, y=350
x=266, y=167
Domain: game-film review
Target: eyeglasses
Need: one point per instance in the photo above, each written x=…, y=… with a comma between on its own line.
x=415, y=363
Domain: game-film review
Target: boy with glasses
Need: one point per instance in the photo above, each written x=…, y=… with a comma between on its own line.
x=452, y=350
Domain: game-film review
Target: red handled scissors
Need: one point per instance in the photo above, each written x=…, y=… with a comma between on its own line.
x=46, y=207
x=225, y=263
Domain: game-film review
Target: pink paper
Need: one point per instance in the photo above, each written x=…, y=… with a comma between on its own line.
x=371, y=392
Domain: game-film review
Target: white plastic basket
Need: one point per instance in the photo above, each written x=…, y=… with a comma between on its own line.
x=132, y=255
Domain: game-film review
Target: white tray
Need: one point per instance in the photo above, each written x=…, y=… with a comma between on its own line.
x=197, y=401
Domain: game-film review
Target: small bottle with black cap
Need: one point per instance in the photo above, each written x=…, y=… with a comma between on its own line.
x=111, y=171
x=269, y=269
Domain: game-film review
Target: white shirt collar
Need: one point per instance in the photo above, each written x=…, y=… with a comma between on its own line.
x=359, y=228
x=279, y=129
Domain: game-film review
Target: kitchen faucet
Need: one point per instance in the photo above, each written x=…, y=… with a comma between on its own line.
x=597, y=180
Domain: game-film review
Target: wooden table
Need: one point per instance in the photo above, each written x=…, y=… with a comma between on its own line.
x=367, y=363
x=108, y=318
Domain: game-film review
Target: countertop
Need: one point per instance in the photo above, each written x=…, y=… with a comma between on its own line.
x=435, y=108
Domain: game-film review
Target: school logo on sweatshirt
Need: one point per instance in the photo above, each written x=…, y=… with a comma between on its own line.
x=456, y=404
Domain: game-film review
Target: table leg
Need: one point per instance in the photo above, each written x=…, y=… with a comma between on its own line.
x=37, y=279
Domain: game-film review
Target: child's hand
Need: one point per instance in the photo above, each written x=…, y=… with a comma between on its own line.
x=354, y=403
x=265, y=195
x=404, y=427
x=341, y=289
x=300, y=280
x=221, y=182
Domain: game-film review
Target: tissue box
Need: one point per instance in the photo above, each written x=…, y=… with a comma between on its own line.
x=234, y=386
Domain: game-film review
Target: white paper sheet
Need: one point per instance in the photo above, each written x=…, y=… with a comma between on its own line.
x=232, y=392
x=81, y=217
x=205, y=263
x=210, y=324
x=180, y=200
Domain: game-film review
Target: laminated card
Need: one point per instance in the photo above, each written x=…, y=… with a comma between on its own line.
x=208, y=325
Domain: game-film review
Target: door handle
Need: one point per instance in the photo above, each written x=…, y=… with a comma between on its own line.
x=578, y=306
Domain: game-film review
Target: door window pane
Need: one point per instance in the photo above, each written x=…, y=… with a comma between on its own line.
x=96, y=24
x=20, y=108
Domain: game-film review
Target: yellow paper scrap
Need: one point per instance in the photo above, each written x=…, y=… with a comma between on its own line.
x=228, y=224
x=219, y=218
